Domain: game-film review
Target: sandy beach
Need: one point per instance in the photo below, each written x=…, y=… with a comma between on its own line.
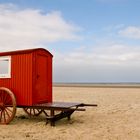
x=117, y=117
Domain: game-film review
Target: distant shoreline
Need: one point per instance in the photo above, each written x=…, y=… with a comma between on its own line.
x=98, y=85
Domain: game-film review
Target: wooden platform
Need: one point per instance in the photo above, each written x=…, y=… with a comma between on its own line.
x=58, y=105
x=59, y=110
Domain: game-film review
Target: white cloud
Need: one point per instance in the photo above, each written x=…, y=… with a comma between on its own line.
x=112, y=28
x=130, y=32
x=114, y=54
x=116, y=62
x=31, y=28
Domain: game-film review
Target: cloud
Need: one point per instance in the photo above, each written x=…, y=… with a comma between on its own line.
x=24, y=28
x=112, y=28
x=105, y=63
x=130, y=32
x=114, y=54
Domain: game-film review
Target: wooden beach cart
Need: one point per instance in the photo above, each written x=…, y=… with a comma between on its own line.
x=26, y=82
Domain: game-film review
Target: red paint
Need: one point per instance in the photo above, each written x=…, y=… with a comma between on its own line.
x=31, y=76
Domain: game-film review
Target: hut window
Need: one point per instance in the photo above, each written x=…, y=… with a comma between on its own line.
x=5, y=67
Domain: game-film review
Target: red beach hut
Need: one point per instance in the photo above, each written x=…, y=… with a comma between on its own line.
x=26, y=82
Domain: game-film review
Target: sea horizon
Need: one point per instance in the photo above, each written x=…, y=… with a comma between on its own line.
x=100, y=84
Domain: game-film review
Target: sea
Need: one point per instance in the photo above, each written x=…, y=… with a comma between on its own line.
x=98, y=85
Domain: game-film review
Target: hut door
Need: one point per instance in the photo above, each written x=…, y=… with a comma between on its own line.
x=41, y=78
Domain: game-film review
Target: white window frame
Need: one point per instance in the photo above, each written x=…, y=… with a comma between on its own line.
x=6, y=75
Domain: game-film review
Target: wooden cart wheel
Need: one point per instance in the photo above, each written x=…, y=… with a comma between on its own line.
x=7, y=105
x=32, y=111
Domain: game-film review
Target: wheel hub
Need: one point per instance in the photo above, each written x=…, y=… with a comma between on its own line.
x=2, y=106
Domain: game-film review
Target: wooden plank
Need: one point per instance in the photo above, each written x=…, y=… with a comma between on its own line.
x=58, y=105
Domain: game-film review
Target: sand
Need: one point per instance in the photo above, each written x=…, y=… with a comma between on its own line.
x=117, y=117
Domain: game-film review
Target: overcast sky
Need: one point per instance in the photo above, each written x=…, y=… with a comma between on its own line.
x=91, y=40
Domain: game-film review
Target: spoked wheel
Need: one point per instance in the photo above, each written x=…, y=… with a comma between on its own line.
x=33, y=111
x=7, y=105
